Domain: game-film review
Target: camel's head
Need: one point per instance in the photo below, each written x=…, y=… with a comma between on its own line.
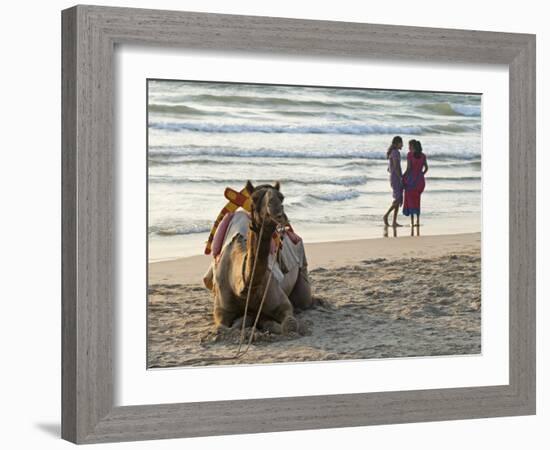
x=267, y=204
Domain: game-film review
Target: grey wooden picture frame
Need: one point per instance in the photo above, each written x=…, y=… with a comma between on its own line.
x=89, y=37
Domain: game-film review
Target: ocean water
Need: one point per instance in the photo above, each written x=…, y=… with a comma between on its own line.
x=326, y=146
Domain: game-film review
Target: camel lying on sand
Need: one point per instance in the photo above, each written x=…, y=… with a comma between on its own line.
x=229, y=277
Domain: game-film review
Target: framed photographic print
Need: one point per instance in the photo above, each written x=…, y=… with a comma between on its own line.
x=268, y=222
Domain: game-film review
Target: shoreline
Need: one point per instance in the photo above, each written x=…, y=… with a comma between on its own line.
x=190, y=269
x=167, y=248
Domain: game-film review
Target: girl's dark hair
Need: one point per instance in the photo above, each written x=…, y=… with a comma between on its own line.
x=394, y=143
x=417, y=149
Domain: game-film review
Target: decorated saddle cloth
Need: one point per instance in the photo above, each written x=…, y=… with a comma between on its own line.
x=290, y=256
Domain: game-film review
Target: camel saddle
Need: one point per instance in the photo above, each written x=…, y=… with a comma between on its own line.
x=290, y=255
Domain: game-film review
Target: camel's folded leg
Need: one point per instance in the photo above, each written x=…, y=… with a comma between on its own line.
x=301, y=296
x=271, y=326
x=238, y=323
x=279, y=308
x=224, y=315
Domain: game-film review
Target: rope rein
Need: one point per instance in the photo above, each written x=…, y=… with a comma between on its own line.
x=259, y=312
x=258, y=242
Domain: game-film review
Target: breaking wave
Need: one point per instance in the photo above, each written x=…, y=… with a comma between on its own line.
x=290, y=129
x=174, y=155
x=451, y=109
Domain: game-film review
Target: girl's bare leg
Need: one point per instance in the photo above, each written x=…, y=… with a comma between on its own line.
x=387, y=215
x=395, y=211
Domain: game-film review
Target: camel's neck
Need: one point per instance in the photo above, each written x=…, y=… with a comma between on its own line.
x=253, y=241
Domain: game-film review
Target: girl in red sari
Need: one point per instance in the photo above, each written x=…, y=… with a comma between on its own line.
x=413, y=181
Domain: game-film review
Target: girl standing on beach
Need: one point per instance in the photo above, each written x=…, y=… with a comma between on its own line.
x=394, y=168
x=413, y=181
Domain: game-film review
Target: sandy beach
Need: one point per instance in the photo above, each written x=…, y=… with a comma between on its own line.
x=381, y=298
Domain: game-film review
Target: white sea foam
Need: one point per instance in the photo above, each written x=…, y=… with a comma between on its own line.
x=214, y=127
x=344, y=153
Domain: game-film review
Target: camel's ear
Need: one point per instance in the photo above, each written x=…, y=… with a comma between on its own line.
x=249, y=187
x=277, y=185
